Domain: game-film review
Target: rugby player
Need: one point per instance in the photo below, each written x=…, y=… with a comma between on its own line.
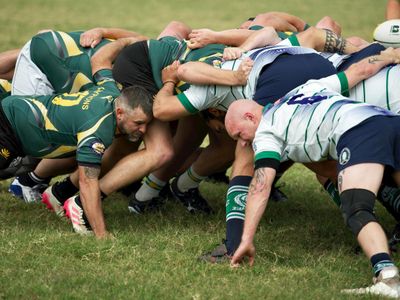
x=362, y=137
x=82, y=124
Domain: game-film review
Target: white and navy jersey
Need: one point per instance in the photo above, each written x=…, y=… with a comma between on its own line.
x=306, y=125
x=199, y=97
x=382, y=89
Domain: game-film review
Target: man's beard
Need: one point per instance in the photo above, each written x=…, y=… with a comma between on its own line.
x=135, y=136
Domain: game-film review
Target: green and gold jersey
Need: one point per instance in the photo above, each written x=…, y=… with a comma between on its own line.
x=166, y=50
x=61, y=125
x=5, y=88
x=63, y=60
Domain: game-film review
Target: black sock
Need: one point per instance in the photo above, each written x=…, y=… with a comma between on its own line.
x=31, y=179
x=237, y=192
x=380, y=261
x=64, y=189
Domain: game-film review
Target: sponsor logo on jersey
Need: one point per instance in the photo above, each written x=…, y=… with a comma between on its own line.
x=5, y=153
x=344, y=156
x=99, y=148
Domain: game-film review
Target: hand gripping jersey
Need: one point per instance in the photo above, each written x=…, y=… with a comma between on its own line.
x=306, y=124
x=198, y=97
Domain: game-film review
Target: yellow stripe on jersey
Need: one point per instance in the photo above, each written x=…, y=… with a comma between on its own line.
x=79, y=81
x=84, y=134
x=212, y=55
x=69, y=99
x=47, y=123
x=60, y=151
x=5, y=84
x=70, y=44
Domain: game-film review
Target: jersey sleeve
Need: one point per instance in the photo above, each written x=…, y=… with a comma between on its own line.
x=104, y=78
x=93, y=141
x=337, y=82
x=198, y=98
x=268, y=150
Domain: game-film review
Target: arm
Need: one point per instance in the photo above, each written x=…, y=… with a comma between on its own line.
x=260, y=38
x=92, y=37
x=104, y=58
x=166, y=106
x=90, y=198
x=371, y=65
x=202, y=73
x=280, y=21
x=257, y=199
x=233, y=37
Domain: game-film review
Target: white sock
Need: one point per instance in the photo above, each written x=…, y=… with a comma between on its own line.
x=150, y=188
x=189, y=180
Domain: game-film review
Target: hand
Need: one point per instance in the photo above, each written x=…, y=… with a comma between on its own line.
x=245, y=249
x=391, y=54
x=170, y=73
x=199, y=38
x=232, y=53
x=91, y=38
x=242, y=73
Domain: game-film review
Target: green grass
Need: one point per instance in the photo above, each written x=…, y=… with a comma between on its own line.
x=304, y=249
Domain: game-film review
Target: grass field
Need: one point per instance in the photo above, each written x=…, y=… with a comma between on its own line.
x=304, y=249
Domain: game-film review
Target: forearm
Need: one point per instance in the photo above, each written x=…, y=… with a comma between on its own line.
x=370, y=66
x=166, y=106
x=232, y=37
x=90, y=198
x=104, y=57
x=204, y=74
x=264, y=37
x=257, y=200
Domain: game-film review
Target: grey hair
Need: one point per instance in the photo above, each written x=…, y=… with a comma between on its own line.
x=136, y=96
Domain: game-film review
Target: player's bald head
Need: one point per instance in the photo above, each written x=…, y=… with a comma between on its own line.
x=237, y=110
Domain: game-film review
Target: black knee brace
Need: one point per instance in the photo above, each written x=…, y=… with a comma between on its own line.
x=357, y=208
x=18, y=166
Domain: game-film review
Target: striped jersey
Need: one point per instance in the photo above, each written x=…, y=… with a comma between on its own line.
x=201, y=97
x=307, y=123
x=382, y=89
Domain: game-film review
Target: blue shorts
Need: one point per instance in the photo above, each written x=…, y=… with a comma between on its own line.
x=375, y=140
x=287, y=72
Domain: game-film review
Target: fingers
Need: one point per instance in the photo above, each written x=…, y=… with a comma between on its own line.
x=232, y=53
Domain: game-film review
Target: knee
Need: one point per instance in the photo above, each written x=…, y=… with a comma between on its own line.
x=161, y=154
x=357, y=208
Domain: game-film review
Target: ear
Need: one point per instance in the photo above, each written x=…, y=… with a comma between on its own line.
x=119, y=112
x=249, y=116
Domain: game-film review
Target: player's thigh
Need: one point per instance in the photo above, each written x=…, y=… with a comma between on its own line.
x=366, y=176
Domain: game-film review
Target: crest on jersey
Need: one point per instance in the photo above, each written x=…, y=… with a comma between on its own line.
x=5, y=153
x=99, y=148
x=344, y=156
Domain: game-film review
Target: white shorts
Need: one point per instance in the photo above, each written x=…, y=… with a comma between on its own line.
x=28, y=78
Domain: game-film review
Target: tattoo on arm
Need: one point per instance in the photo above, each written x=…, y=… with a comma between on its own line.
x=334, y=43
x=258, y=184
x=340, y=182
x=91, y=173
x=373, y=59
